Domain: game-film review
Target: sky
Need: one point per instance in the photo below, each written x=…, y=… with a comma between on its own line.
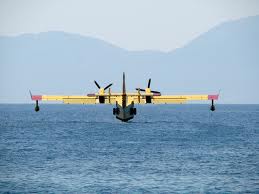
x=131, y=24
x=161, y=25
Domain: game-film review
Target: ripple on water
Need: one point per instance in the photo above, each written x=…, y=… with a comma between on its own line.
x=76, y=149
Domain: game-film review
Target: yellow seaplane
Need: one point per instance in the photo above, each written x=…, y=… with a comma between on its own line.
x=124, y=102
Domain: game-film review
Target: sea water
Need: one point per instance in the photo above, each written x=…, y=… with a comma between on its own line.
x=164, y=149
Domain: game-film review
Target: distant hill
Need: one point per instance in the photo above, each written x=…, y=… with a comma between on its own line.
x=226, y=57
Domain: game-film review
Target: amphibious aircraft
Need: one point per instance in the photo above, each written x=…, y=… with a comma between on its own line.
x=124, y=102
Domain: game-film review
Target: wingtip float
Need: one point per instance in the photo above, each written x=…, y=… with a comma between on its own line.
x=124, y=102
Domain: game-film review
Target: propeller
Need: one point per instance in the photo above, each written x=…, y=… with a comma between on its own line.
x=99, y=87
x=107, y=86
x=149, y=82
x=155, y=92
x=139, y=89
x=148, y=86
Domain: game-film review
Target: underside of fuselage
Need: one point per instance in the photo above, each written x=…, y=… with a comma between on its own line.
x=124, y=114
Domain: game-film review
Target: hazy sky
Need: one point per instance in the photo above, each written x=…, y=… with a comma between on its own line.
x=131, y=24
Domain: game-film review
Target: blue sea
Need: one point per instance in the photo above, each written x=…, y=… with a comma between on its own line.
x=164, y=149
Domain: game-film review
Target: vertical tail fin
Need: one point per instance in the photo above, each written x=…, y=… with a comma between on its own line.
x=124, y=98
x=124, y=85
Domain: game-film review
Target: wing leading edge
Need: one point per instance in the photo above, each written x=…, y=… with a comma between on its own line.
x=65, y=99
x=182, y=98
x=116, y=97
x=170, y=99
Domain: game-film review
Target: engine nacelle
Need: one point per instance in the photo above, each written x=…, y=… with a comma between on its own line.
x=101, y=99
x=148, y=99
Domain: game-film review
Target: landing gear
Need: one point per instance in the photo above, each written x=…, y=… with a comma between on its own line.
x=133, y=111
x=116, y=111
x=212, y=107
x=37, y=108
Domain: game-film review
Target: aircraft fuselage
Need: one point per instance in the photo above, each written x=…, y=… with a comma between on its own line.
x=124, y=113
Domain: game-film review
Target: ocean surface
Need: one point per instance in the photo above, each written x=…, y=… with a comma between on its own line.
x=164, y=149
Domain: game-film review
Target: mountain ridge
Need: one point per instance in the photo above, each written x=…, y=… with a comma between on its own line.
x=224, y=55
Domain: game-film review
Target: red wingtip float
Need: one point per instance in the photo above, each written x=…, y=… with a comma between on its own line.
x=124, y=101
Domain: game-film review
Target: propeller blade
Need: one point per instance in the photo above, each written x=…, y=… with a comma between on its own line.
x=107, y=86
x=140, y=89
x=97, y=84
x=149, y=82
x=155, y=92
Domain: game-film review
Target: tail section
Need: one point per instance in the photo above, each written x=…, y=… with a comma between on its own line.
x=124, y=85
x=124, y=92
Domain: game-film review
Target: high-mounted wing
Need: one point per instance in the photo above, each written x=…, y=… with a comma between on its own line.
x=89, y=99
x=136, y=98
x=66, y=99
x=181, y=98
x=100, y=97
x=168, y=99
